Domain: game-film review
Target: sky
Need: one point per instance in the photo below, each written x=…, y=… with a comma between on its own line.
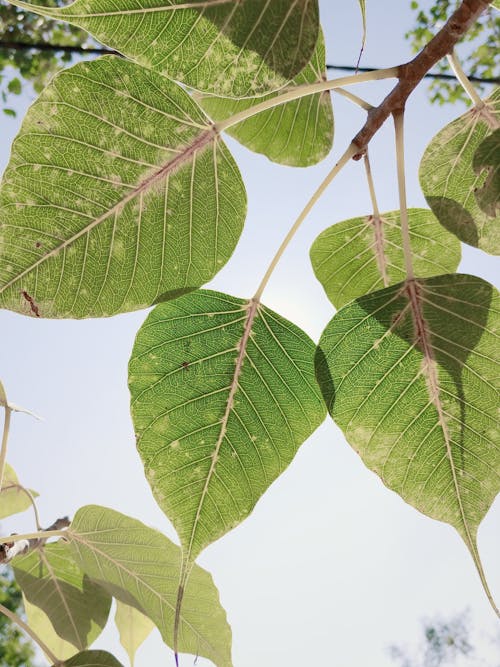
x=331, y=568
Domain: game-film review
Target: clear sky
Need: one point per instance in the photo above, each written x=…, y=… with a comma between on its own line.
x=332, y=567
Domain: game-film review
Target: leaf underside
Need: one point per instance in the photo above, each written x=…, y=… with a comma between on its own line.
x=223, y=394
x=118, y=193
x=12, y=497
x=141, y=567
x=362, y=255
x=133, y=626
x=298, y=133
x=236, y=48
x=487, y=162
x=92, y=659
x=450, y=183
x=411, y=375
x=40, y=623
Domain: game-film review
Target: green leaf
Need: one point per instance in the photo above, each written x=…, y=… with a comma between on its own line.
x=141, y=567
x=13, y=497
x=92, y=659
x=118, y=194
x=298, y=133
x=487, y=158
x=362, y=7
x=228, y=48
x=411, y=375
x=133, y=626
x=14, y=86
x=361, y=255
x=223, y=394
x=50, y=579
x=40, y=623
x=449, y=182
x=9, y=112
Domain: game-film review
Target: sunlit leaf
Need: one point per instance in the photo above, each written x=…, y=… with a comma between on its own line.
x=298, y=133
x=228, y=47
x=118, y=193
x=92, y=659
x=133, y=626
x=13, y=497
x=487, y=159
x=449, y=181
x=50, y=579
x=141, y=567
x=361, y=255
x=411, y=375
x=40, y=623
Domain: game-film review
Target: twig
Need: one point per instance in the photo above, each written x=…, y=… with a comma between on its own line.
x=24, y=626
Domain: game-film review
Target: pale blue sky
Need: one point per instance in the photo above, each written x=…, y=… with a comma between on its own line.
x=331, y=567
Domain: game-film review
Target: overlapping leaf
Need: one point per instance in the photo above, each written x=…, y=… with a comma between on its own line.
x=141, y=567
x=411, y=375
x=361, y=255
x=133, y=626
x=50, y=579
x=228, y=47
x=40, y=623
x=13, y=496
x=298, y=133
x=487, y=159
x=118, y=193
x=450, y=183
x=92, y=659
x=223, y=394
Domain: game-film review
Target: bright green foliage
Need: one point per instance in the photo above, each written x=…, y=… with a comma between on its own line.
x=15, y=649
x=92, y=659
x=13, y=498
x=298, y=134
x=50, y=579
x=118, y=193
x=133, y=626
x=141, y=567
x=228, y=48
x=487, y=157
x=223, y=394
x=40, y=623
x=411, y=375
x=361, y=255
x=449, y=181
x=478, y=49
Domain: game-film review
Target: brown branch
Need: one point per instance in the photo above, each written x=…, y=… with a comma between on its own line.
x=412, y=73
x=8, y=550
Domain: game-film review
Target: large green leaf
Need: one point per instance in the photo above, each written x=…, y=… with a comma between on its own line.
x=133, y=626
x=40, y=623
x=141, y=567
x=13, y=497
x=92, y=659
x=50, y=579
x=487, y=159
x=223, y=394
x=118, y=193
x=411, y=375
x=449, y=181
x=357, y=256
x=298, y=133
x=228, y=47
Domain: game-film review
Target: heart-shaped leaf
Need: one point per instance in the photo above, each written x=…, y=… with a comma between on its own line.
x=361, y=255
x=228, y=47
x=411, y=375
x=298, y=133
x=141, y=567
x=133, y=626
x=50, y=579
x=449, y=181
x=118, y=193
x=13, y=496
x=92, y=659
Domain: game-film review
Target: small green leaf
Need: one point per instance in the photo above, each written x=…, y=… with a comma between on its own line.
x=13, y=498
x=361, y=255
x=9, y=112
x=411, y=375
x=141, y=567
x=298, y=133
x=40, y=623
x=487, y=159
x=221, y=46
x=14, y=86
x=50, y=579
x=449, y=182
x=118, y=194
x=133, y=626
x=92, y=659
x=223, y=394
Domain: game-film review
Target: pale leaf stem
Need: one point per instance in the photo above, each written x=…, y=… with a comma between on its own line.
x=24, y=626
x=5, y=439
x=403, y=207
x=371, y=186
x=39, y=535
x=360, y=102
x=464, y=81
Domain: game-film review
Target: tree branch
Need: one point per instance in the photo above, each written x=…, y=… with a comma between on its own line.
x=412, y=73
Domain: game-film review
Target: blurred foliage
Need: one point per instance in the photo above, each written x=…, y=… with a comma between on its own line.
x=478, y=52
x=16, y=65
x=15, y=649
